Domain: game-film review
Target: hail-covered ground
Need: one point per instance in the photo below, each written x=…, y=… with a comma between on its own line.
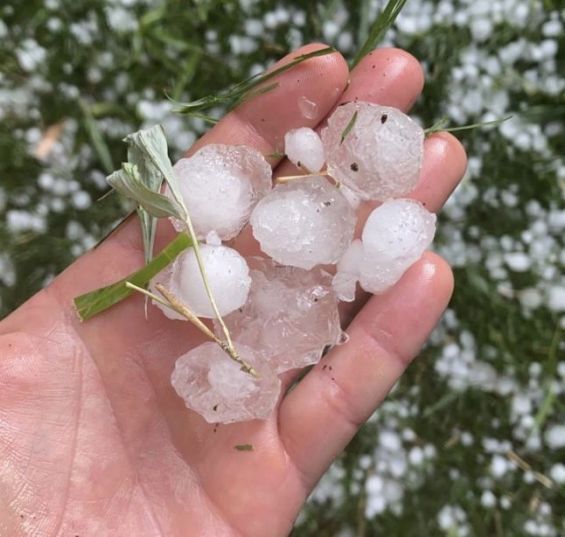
x=472, y=441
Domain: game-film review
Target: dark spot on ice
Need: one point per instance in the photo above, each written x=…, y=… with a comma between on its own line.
x=327, y=203
x=299, y=164
x=240, y=310
x=315, y=300
x=215, y=408
x=384, y=117
x=354, y=167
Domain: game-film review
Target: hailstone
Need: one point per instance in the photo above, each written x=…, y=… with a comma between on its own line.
x=394, y=237
x=303, y=147
x=304, y=223
x=220, y=185
x=291, y=315
x=375, y=150
x=227, y=273
x=213, y=385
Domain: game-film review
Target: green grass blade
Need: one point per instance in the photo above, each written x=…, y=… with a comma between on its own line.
x=94, y=302
x=241, y=91
x=348, y=127
x=97, y=138
x=441, y=125
x=378, y=29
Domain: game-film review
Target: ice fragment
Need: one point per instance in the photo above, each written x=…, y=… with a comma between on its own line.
x=394, y=237
x=304, y=223
x=290, y=316
x=381, y=155
x=304, y=149
x=213, y=385
x=220, y=185
x=228, y=276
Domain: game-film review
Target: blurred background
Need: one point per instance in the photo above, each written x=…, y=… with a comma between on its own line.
x=472, y=441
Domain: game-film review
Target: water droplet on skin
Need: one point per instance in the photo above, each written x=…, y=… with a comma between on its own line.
x=307, y=107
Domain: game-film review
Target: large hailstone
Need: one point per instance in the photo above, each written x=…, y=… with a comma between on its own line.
x=381, y=155
x=394, y=237
x=304, y=223
x=303, y=147
x=227, y=273
x=291, y=315
x=213, y=385
x=220, y=185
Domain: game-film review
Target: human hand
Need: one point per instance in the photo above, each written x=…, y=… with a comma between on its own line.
x=93, y=439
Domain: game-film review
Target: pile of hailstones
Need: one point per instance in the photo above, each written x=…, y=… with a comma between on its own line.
x=281, y=307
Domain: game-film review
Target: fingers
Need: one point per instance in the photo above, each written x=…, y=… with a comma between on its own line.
x=320, y=416
x=444, y=165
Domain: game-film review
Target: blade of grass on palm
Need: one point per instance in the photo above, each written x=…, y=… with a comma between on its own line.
x=94, y=302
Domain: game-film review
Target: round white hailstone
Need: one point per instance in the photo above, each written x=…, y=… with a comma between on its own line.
x=304, y=149
x=227, y=273
x=348, y=272
x=304, y=223
x=213, y=385
x=381, y=155
x=220, y=185
x=291, y=315
x=394, y=237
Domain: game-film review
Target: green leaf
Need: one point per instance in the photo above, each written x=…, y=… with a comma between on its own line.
x=237, y=93
x=148, y=150
x=378, y=29
x=94, y=302
x=348, y=127
x=128, y=183
x=244, y=447
x=96, y=137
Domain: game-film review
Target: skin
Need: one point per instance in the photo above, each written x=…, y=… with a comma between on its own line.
x=93, y=439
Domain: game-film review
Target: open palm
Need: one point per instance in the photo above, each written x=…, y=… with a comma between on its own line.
x=94, y=441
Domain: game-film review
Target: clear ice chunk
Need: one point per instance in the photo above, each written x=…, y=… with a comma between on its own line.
x=220, y=185
x=303, y=147
x=227, y=273
x=213, y=385
x=304, y=223
x=376, y=151
x=291, y=315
